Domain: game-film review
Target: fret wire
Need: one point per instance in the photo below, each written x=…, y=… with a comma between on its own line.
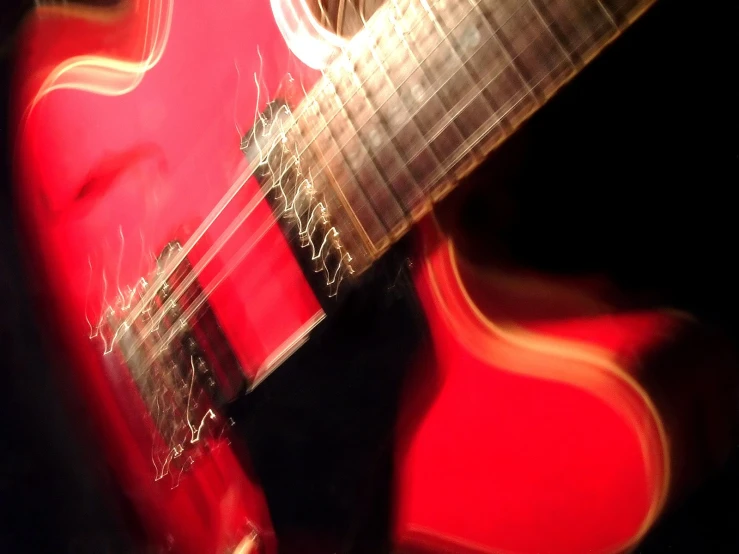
x=569, y=17
x=488, y=82
x=332, y=201
x=483, y=130
x=475, y=7
x=413, y=114
x=625, y=10
x=299, y=112
x=551, y=33
x=455, y=47
x=446, y=36
x=302, y=109
x=591, y=35
x=409, y=107
x=396, y=155
x=438, y=83
x=433, y=93
x=372, y=236
x=593, y=48
x=548, y=50
x=608, y=14
x=383, y=209
x=493, y=35
x=328, y=122
x=421, y=106
x=326, y=82
x=487, y=126
x=441, y=171
x=433, y=133
x=419, y=149
x=411, y=121
x=354, y=171
x=458, y=109
x=555, y=28
x=382, y=65
x=503, y=48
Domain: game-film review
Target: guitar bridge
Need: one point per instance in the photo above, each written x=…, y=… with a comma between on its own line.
x=180, y=362
x=320, y=241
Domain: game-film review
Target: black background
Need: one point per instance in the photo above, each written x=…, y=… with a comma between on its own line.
x=631, y=170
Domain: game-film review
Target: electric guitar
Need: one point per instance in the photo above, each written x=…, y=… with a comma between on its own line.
x=201, y=184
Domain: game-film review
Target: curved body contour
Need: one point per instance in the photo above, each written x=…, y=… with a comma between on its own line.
x=129, y=125
x=528, y=428
x=129, y=132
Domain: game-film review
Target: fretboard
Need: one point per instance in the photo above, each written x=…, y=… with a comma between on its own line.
x=425, y=91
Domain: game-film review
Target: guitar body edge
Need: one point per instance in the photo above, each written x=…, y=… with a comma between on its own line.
x=518, y=436
x=112, y=162
x=543, y=419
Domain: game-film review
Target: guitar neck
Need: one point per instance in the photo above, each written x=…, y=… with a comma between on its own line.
x=425, y=91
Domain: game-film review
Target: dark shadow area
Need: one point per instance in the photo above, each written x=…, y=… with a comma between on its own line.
x=630, y=171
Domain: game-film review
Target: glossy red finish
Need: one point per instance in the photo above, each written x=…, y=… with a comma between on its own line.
x=526, y=429
x=129, y=126
x=525, y=435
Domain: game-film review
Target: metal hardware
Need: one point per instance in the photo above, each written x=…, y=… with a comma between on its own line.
x=183, y=381
x=325, y=244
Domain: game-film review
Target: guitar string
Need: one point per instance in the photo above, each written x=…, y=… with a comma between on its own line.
x=235, y=188
x=233, y=228
x=239, y=183
x=198, y=302
x=451, y=115
x=448, y=119
x=293, y=117
x=256, y=237
x=461, y=151
x=149, y=295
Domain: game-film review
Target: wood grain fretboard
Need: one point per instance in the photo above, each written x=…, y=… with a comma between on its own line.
x=425, y=91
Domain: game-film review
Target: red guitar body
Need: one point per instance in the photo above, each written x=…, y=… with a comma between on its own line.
x=533, y=426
